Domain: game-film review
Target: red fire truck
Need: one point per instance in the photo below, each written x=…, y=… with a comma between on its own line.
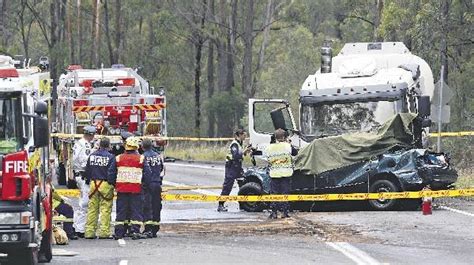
x=25, y=175
x=114, y=100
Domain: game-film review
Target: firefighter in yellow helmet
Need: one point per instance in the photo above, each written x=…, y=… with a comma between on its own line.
x=133, y=175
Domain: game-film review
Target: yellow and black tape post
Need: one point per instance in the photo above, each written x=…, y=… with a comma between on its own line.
x=305, y=197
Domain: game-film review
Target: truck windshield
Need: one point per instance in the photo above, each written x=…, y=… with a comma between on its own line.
x=321, y=120
x=10, y=125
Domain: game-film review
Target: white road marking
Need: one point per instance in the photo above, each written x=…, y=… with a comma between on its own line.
x=456, y=211
x=196, y=166
x=123, y=262
x=121, y=242
x=353, y=253
x=200, y=191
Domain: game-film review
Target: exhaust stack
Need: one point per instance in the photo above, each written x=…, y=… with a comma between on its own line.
x=326, y=57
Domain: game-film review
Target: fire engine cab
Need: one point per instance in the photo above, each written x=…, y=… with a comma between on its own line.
x=114, y=100
x=25, y=189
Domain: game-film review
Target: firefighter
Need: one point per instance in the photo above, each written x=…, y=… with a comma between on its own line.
x=82, y=150
x=280, y=160
x=62, y=208
x=152, y=209
x=233, y=165
x=120, y=150
x=133, y=174
x=100, y=171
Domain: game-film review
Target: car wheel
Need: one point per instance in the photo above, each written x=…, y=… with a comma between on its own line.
x=383, y=185
x=24, y=256
x=251, y=188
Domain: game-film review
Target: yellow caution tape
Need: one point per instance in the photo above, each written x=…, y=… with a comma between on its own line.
x=68, y=193
x=452, y=134
x=303, y=197
x=166, y=189
x=66, y=136
x=63, y=219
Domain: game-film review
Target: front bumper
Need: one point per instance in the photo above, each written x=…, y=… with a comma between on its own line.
x=12, y=239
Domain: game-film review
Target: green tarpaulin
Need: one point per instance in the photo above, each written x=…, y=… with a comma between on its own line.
x=330, y=153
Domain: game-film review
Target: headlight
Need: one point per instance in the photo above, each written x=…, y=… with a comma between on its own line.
x=10, y=218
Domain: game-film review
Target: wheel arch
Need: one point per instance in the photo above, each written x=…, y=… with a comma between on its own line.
x=386, y=176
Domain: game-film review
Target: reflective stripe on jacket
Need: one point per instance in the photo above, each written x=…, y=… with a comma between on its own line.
x=235, y=152
x=280, y=160
x=129, y=173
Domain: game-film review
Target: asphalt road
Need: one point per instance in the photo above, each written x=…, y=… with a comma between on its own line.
x=193, y=232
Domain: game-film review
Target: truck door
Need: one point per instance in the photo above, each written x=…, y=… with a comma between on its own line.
x=267, y=115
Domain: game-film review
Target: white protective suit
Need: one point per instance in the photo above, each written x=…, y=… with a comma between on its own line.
x=82, y=150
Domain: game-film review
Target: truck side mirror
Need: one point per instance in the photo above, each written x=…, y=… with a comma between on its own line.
x=41, y=108
x=40, y=131
x=424, y=108
x=278, y=119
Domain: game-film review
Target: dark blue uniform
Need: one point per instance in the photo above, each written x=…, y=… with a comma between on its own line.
x=100, y=166
x=152, y=210
x=100, y=173
x=233, y=169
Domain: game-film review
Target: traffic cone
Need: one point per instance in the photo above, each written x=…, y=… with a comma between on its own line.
x=426, y=206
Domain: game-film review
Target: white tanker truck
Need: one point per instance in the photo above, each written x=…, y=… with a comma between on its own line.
x=356, y=91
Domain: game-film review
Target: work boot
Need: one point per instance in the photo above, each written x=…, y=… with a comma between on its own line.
x=285, y=215
x=136, y=236
x=148, y=234
x=80, y=235
x=221, y=208
x=72, y=237
x=273, y=215
x=116, y=237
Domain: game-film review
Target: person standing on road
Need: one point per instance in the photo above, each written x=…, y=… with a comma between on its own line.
x=81, y=151
x=233, y=165
x=125, y=135
x=133, y=175
x=100, y=171
x=152, y=209
x=280, y=160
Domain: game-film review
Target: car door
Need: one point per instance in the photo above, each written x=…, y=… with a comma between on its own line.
x=265, y=116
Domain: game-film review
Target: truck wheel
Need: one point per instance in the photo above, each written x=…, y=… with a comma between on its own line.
x=27, y=256
x=383, y=185
x=251, y=188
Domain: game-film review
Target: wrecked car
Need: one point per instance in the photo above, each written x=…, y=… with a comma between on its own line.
x=384, y=161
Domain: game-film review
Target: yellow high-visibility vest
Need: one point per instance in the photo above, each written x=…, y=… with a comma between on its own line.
x=229, y=156
x=280, y=160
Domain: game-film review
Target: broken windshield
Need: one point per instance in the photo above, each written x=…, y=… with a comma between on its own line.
x=10, y=125
x=320, y=120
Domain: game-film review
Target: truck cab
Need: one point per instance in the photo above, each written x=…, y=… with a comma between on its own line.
x=25, y=190
x=356, y=91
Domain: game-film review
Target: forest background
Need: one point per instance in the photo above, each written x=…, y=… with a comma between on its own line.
x=212, y=55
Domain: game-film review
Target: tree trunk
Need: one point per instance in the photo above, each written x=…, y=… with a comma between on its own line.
x=266, y=37
x=118, y=30
x=54, y=13
x=211, y=119
x=248, y=42
x=70, y=35
x=79, y=33
x=197, y=70
x=107, y=33
x=377, y=18
x=444, y=38
x=97, y=35
x=231, y=40
x=3, y=21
